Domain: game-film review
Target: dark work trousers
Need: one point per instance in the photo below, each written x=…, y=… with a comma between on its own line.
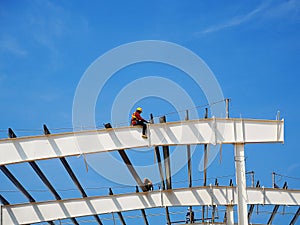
x=141, y=123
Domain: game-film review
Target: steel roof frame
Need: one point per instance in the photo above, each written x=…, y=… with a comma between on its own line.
x=240, y=133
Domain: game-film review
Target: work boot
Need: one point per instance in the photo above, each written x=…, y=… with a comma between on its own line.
x=144, y=136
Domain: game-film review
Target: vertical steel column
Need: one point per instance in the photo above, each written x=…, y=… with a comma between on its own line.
x=205, y=153
x=166, y=153
x=225, y=214
x=158, y=158
x=227, y=107
x=214, y=206
x=188, y=148
x=227, y=117
x=229, y=215
x=161, y=173
x=273, y=179
x=229, y=208
x=168, y=175
x=189, y=159
x=205, y=165
x=239, y=155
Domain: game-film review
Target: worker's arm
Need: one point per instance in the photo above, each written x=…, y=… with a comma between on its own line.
x=138, y=117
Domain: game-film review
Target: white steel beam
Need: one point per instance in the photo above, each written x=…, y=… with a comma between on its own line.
x=205, y=131
x=217, y=223
x=61, y=209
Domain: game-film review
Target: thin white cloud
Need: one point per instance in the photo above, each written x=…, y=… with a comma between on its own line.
x=11, y=45
x=42, y=23
x=292, y=168
x=285, y=9
x=236, y=21
x=50, y=22
x=47, y=23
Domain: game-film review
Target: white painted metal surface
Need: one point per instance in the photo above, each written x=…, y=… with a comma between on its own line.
x=226, y=131
x=1, y=221
x=229, y=215
x=239, y=158
x=53, y=210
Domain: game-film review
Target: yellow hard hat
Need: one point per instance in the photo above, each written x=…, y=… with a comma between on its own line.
x=139, y=109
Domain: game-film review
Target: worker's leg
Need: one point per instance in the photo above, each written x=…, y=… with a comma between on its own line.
x=144, y=126
x=147, y=187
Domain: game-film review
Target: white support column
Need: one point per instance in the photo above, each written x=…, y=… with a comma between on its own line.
x=239, y=156
x=229, y=215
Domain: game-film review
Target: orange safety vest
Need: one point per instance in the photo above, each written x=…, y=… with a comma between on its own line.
x=133, y=119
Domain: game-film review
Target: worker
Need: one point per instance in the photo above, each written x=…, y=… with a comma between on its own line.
x=136, y=119
x=189, y=218
x=148, y=184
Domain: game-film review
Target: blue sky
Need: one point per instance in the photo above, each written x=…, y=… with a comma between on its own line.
x=252, y=47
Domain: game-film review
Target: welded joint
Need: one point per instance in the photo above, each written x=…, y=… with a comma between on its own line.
x=239, y=158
